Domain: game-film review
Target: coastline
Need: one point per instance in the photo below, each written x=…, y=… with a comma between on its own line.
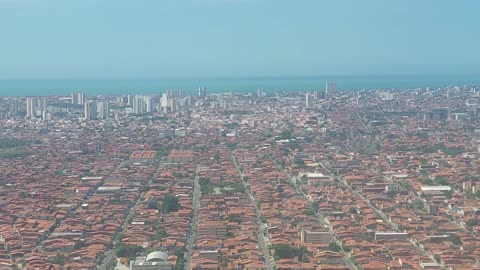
x=117, y=86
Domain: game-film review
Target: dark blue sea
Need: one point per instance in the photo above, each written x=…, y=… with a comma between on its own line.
x=45, y=87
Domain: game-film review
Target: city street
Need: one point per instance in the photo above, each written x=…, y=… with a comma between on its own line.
x=194, y=221
x=262, y=241
x=110, y=253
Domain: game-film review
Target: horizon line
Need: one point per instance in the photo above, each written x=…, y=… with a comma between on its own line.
x=238, y=77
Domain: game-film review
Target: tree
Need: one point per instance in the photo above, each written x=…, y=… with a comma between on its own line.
x=234, y=218
x=448, y=194
x=455, y=239
x=240, y=188
x=203, y=181
x=179, y=252
x=11, y=142
x=160, y=233
x=15, y=154
x=299, y=162
x=334, y=247
x=346, y=248
x=153, y=203
x=406, y=185
x=164, y=152
x=284, y=251
x=280, y=189
x=309, y=212
x=441, y=181
x=286, y=134
x=170, y=203
x=216, y=157
x=231, y=145
x=128, y=251
x=315, y=206
x=58, y=259
x=426, y=181
x=473, y=222
x=205, y=187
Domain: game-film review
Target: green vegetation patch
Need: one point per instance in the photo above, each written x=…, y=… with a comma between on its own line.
x=128, y=251
x=14, y=154
x=473, y=222
x=11, y=143
x=207, y=187
x=451, y=151
x=284, y=251
x=58, y=259
x=170, y=203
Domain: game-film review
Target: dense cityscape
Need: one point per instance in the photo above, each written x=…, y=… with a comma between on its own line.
x=324, y=180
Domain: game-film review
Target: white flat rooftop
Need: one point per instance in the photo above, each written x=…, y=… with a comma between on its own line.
x=436, y=188
x=315, y=175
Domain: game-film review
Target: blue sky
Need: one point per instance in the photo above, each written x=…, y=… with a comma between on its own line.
x=162, y=38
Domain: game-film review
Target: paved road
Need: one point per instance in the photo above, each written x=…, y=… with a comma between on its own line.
x=110, y=254
x=261, y=235
x=194, y=222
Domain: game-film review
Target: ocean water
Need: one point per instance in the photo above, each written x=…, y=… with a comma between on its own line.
x=46, y=87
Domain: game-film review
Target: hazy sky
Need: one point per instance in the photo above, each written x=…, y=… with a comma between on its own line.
x=159, y=38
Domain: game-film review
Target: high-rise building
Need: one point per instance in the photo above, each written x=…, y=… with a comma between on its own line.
x=330, y=87
x=81, y=98
x=78, y=98
x=142, y=104
x=164, y=102
x=74, y=98
x=148, y=103
x=138, y=107
x=307, y=100
x=90, y=110
x=202, y=91
x=172, y=105
x=120, y=100
x=44, y=109
x=175, y=93
x=103, y=109
x=317, y=95
x=14, y=108
x=30, y=108
x=130, y=100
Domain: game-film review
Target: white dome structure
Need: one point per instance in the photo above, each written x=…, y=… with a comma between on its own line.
x=157, y=256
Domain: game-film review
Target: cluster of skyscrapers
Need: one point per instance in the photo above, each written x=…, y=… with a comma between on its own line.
x=78, y=98
x=142, y=104
x=97, y=110
x=36, y=107
x=202, y=91
x=169, y=102
x=330, y=88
